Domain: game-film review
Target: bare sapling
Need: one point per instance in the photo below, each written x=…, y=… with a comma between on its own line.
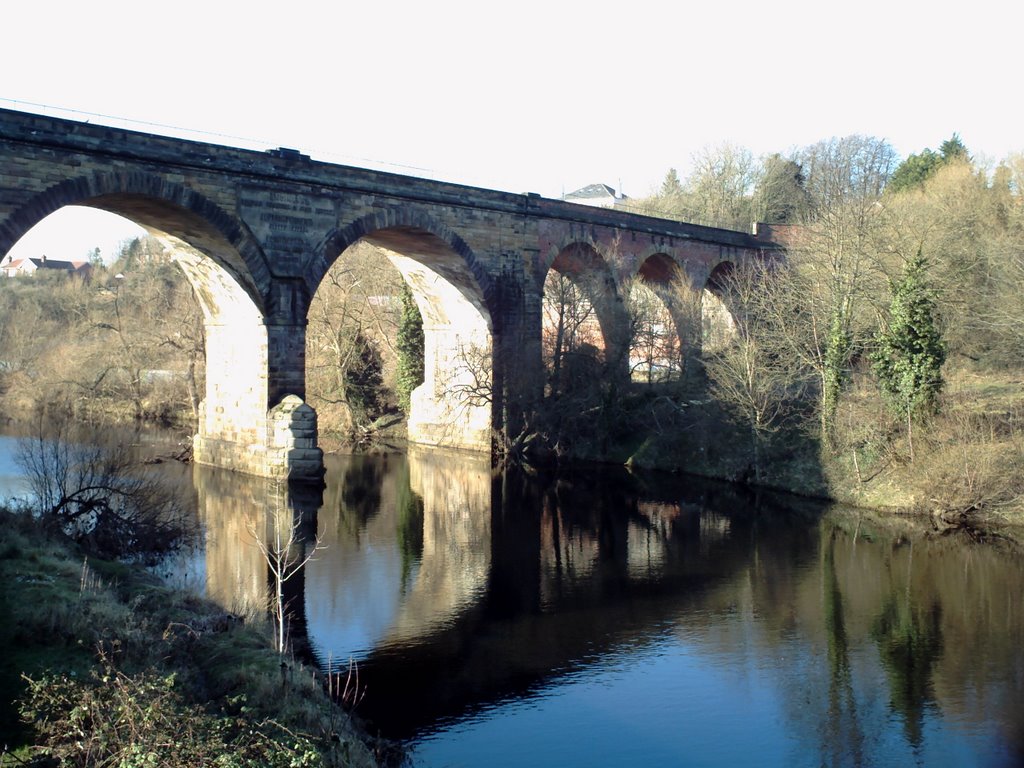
x=285, y=553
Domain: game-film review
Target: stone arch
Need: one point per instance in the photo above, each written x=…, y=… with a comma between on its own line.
x=718, y=322
x=163, y=207
x=659, y=269
x=397, y=221
x=582, y=243
x=454, y=406
x=593, y=278
x=662, y=352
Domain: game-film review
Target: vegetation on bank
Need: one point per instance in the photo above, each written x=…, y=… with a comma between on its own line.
x=126, y=345
x=102, y=665
x=967, y=468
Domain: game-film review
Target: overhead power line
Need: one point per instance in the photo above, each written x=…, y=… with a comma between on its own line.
x=221, y=138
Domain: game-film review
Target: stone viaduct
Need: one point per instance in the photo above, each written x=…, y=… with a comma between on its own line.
x=257, y=232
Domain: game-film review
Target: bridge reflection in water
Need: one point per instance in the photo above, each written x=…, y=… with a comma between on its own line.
x=489, y=612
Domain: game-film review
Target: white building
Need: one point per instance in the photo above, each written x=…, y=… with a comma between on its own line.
x=597, y=195
x=14, y=267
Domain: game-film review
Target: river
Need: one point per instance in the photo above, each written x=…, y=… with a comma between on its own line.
x=603, y=618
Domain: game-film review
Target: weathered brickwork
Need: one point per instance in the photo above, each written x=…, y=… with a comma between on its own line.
x=269, y=225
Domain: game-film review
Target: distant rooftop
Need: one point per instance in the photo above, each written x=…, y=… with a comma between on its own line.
x=595, y=194
x=29, y=265
x=45, y=263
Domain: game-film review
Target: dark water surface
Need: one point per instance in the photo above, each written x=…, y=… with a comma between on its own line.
x=608, y=619
x=605, y=619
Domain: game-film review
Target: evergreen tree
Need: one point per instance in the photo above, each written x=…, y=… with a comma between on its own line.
x=410, y=349
x=671, y=187
x=909, y=354
x=915, y=170
x=953, y=149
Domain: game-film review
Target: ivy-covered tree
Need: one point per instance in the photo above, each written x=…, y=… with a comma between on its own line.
x=834, y=370
x=410, y=349
x=909, y=353
x=780, y=196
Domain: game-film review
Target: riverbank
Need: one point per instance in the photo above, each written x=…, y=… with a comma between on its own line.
x=98, y=660
x=963, y=468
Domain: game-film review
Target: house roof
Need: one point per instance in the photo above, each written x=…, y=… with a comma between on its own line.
x=30, y=264
x=591, y=191
x=45, y=263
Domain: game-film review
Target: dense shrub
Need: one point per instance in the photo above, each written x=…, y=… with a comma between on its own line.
x=142, y=720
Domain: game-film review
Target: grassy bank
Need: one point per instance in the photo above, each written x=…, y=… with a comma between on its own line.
x=100, y=664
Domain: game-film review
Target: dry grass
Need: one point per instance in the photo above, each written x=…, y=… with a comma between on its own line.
x=67, y=618
x=966, y=467
x=966, y=463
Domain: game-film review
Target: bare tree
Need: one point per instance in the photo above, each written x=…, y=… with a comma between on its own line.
x=654, y=348
x=842, y=171
x=719, y=187
x=1005, y=314
x=752, y=376
x=836, y=267
x=26, y=333
x=285, y=553
x=188, y=339
x=135, y=339
x=98, y=493
x=129, y=361
x=571, y=330
x=355, y=312
x=686, y=304
x=132, y=352
x=472, y=378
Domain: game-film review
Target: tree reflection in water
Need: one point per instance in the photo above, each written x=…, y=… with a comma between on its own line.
x=842, y=735
x=823, y=637
x=909, y=637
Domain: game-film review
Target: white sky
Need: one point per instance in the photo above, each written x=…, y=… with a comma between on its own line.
x=525, y=96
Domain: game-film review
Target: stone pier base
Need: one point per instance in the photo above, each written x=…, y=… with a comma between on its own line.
x=445, y=435
x=288, y=451
x=292, y=450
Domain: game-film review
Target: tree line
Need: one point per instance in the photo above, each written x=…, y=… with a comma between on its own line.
x=128, y=344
